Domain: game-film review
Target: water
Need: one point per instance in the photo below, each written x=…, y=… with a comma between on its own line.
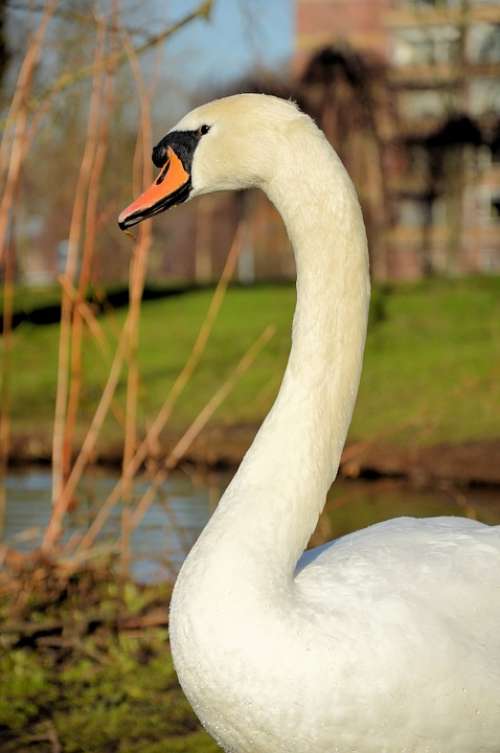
x=185, y=503
x=160, y=542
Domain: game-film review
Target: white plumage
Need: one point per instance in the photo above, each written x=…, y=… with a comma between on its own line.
x=387, y=640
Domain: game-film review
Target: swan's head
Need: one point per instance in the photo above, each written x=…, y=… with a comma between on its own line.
x=228, y=144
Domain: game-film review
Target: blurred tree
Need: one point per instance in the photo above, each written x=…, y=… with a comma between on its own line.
x=348, y=95
x=347, y=92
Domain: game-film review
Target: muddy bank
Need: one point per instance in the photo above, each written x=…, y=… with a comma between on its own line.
x=467, y=464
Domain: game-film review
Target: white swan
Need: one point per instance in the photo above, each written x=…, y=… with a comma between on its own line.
x=387, y=640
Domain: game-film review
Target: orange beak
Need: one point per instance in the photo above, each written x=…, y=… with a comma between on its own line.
x=172, y=186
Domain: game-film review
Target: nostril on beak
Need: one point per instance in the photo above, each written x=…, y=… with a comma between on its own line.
x=159, y=155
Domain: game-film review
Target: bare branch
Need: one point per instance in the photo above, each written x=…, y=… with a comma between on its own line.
x=116, y=59
x=183, y=444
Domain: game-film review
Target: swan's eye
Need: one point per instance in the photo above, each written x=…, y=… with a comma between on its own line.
x=202, y=130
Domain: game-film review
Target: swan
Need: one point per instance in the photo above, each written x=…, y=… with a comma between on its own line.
x=386, y=640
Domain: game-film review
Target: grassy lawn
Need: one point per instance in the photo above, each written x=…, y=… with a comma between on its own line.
x=431, y=374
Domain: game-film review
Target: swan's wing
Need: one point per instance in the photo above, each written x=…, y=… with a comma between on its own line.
x=417, y=536
x=411, y=611
x=445, y=569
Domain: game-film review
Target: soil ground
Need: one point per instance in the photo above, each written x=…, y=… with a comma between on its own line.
x=466, y=464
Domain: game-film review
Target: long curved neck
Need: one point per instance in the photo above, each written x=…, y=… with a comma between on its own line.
x=271, y=507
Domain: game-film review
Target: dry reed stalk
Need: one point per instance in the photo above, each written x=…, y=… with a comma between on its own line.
x=137, y=167
x=86, y=266
x=136, y=286
x=54, y=528
x=87, y=315
x=3, y=508
x=60, y=450
x=97, y=332
x=137, y=275
x=12, y=154
x=153, y=434
x=17, y=115
x=138, y=268
x=200, y=343
x=199, y=423
x=5, y=373
x=31, y=131
x=183, y=444
x=36, y=119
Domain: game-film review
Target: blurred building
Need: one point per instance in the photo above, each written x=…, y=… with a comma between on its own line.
x=320, y=23
x=441, y=155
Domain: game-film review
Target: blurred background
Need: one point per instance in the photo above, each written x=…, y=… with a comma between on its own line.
x=407, y=91
x=136, y=368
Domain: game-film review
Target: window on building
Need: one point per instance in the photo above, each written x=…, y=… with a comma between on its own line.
x=424, y=103
x=484, y=97
x=414, y=211
x=439, y=211
x=482, y=206
x=411, y=47
x=483, y=43
x=426, y=46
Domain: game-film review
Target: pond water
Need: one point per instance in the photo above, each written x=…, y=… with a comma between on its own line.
x=186, y=501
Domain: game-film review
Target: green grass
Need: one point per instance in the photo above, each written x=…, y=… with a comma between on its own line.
x=98, y=690
x=123, y=696
x=431, y=373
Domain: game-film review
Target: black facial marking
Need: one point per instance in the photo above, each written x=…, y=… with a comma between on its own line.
x=159, y=155
x=182, y=142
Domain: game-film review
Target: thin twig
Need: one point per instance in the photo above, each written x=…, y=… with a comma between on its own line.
x=12, y=153
x=86, y=265
x=199, y=423
x=5, y=373
x=54, y=527
x=115, y=60
x=152, y=436
x=60, y=450
x=12, y=149
x=139, y=259
x=97, y=333
x=73, y=16
x=183, y=444
x=25, y=78
x=136, y=285
x=87, y=314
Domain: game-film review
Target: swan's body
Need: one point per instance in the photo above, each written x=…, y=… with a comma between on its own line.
x=387, y=640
